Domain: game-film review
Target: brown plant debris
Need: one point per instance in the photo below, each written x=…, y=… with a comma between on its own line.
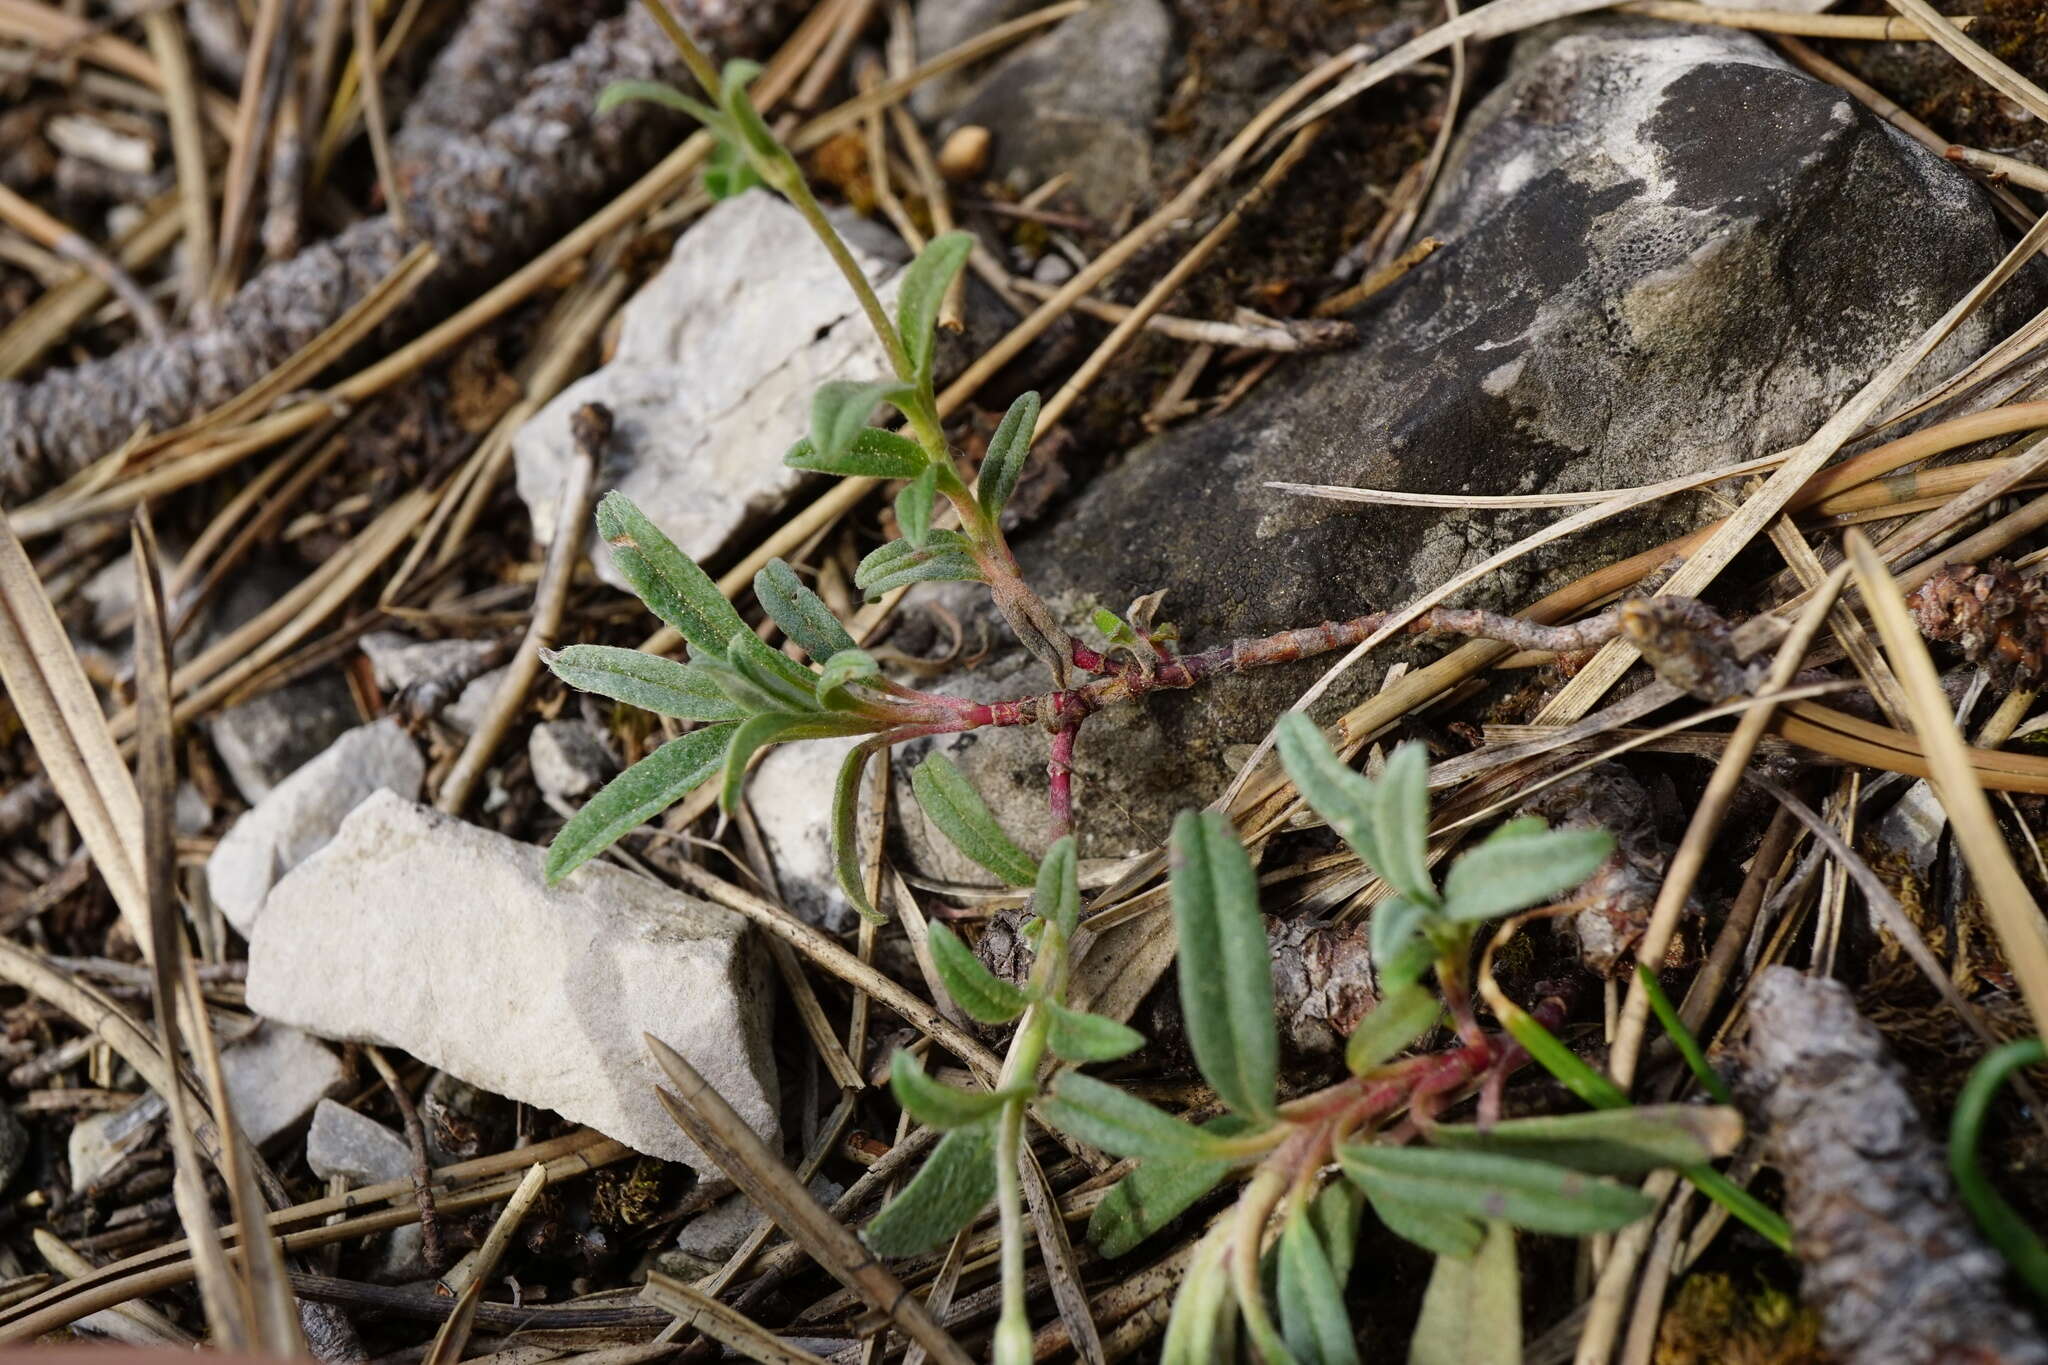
x=486, y=200
x=1618, y=897
x=1993, y=615
x=1892, y=1263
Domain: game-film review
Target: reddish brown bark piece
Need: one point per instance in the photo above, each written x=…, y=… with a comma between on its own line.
x=1892, y=1262
x=486, y=201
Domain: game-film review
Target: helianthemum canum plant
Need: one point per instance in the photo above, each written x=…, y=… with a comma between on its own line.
x=1453, y=1193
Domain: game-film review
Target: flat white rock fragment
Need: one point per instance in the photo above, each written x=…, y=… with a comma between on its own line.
x=301, y=813
x=711, y=381
x=418, y=931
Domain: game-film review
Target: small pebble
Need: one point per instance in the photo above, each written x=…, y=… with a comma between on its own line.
x=964, y=154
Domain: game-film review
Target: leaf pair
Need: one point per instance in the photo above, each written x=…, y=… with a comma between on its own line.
x=1439, y=1198
x=747, y=154
x=1314, y=1259
x=1225, y=965
x=946, y=556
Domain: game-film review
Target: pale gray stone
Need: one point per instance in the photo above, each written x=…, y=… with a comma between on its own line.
x=355, y=1147
x=415, y=930
x=398, y=661
x=302, y=812
x=711, y=381
x=570, y=758
x=1913, y=827
x=268, y=738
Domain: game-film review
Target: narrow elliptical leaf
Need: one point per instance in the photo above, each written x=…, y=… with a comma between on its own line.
x=1330, y=786
x=872, y=454
x=1521, y=864
x=1628, y=1141
x=955, y=1183
x=1058, y=897
x=1158, y=1192
x=974, y=988
x=774, y=674
x=637, y=795
x=1472, y=1310
x=801, y=613
x=935, y=1104
x=647, y=681
x=666, y=95
x=1446, y=1234
x=1075, y=1036
x=839, y=413
x=758, y=732
x=843, y=669
x=922, y=292
x=958, y=810
x=1530, y=1194
x=1103, y=1115
x=1400, y=806
x=1311, y=1299
x=666, y=579
x=1008, y=451
x=1402, y=1015
x=845, y=838
x=914, y=507
x=1401, y=952
x=1225, y=966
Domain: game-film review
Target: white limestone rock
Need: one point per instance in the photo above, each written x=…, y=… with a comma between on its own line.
x=415, y=930
x=302, y=812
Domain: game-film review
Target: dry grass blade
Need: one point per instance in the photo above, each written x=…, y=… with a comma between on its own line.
x=454, y=1334
x=1762, y=507
x=2007, y=902
x=230, y=1311
x=1065, y=1277
x=188, y=148
x=1876, y=28
x=138, y=1324
x=1972, y=54
x=64, y=722
x=726, y=1326
x=702, y=1113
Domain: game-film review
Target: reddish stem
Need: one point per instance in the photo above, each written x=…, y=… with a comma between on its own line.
x=1059, y=775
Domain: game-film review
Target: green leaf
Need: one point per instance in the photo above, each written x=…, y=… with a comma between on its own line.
x=732, y=96
x=1225, y=966
x=961, y=815
x=1335, y=792
x=1530, y=1194
x=1202, y=1328
x=1075, y=1036
x=2008, y=1231
x=635, y=796
x=934, y=1103
x=1628, y=1141
x=1402, y=1015
x=662, y=93
x=1681, y=1036
x=760, y=731
x=1158, y=1192
x=872, y=454
x=1118, y=1122
x=1520, y=865
x=840, y=410
x=1472, y=1310
x=1058, y=897
x=843, y=669
x=1336, y=1211
x=1400, y=951
x=728, y=173
x=647, y=681
x=771, y=673
x=1311, y=1299
x=1008, y=450
x=666, y=579
x=922, y=292
x=947, y=556
x=914, y=507
x=845, y=843
x=1400, y=821
x=955, y=1183
x=1446, y=1234
x=974, y=988
x=801, y=613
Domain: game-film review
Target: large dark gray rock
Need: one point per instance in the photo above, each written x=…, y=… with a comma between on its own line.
x=1665, y=250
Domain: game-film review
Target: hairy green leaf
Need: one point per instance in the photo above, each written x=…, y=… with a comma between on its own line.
x=1076, y=1036
x=1330, y=786
x=974, y=988
x=922, y=292
x=952, y=567
x=1158, y=1192
x=955, y=1183
x=1401, y=953
x=1311, y=1299
x=1008, y=450
x=934, y=1103
x=872, y=454
x=1472, y=1310
x=1202, y=1329
x=801, y=613
x=885, y=567
x=957, y=809
x=840, y=410
x=1608, y=1142
x=1446, y=1234
x=758, y=732
x=728, y=173
x=1058, y=897
x=1337, y=1212
x=1400, y=821
x=662, y=93
x=1402, y=1015
x=635, y=796
x=665, y=578
x=1520, y=865
x=771, y=673
x=1225, y=966
x=845, y=843
x=1530, y=1194
x=914, y=507
x=739, y=107
x=843, y=669
x=1102, y=1115
x=647, y=681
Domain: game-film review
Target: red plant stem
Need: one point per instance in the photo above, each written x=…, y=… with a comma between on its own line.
x=1059, y=775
